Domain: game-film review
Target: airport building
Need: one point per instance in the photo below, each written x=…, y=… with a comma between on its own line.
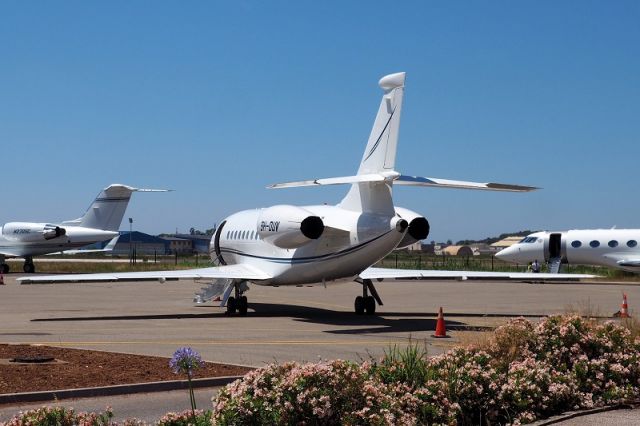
x=143, y=244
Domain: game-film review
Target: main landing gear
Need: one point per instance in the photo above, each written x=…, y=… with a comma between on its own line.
x=238, y=302
x=366, y=303
x=29, y=267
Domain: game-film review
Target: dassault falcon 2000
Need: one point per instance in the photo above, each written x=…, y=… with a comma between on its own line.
x=615, y=248
x=99, y=223
x=290, y=245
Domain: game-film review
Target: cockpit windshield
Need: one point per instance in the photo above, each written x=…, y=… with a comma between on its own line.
x=529, y=240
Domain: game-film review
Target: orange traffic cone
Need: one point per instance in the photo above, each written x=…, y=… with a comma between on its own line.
x=624, y=308
x=441, y=330
x=1, y=279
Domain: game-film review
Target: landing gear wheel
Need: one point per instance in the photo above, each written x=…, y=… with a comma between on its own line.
x=243, y=305
x=29, y=268
x=5, y=268
x=359, y=305
x=231, y=306
x=370, y=305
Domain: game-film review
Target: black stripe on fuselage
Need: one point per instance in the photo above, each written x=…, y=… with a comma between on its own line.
x=308, y=259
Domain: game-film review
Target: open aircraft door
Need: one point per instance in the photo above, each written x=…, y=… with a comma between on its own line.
x=555, y=247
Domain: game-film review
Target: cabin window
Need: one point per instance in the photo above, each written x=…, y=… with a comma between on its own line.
x=576, y=244
x=252, y=235
x=613, y=243
x=243, y=235
x=632, y=243
x=594, y=243
x=228, y=232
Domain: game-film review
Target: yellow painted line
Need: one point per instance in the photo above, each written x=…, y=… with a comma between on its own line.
x=227, y=342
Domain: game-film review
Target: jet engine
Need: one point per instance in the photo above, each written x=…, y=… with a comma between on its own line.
x=418, y=227
x=288, y=226
x=31, y=232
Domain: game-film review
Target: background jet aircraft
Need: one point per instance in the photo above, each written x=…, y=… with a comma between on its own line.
x=616, y=248
x=99, y=223
x=290, y=245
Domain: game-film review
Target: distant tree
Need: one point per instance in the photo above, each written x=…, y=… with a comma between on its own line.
x=449, y=242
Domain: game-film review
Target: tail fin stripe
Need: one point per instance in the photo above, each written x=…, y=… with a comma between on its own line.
x=375, y=146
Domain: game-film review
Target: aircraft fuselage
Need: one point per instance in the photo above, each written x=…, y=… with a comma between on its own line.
x=351, y=242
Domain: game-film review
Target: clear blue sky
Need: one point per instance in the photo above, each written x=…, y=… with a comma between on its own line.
x=218, y=99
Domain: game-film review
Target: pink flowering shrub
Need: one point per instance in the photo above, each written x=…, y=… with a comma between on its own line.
x=334, y=392
x=60, y=416
x=527, y=371
x=186, y=418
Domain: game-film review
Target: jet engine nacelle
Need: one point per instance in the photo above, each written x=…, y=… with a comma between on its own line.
x=288, y=226
x=31, y=232
x=418, y=227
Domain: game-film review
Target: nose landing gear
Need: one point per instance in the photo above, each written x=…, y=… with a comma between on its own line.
x=29, y=267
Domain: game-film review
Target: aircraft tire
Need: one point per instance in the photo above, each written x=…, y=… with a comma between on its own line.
x=29, y=268
x=359, y=305
x=5, y=268
x=231, y=305
x=370, y=305
x=243, y=305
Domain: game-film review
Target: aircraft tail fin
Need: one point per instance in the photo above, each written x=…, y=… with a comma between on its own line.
x=380, y=154
x=107, y=210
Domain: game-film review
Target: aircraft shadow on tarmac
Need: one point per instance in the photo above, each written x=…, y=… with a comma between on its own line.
x=384, y=322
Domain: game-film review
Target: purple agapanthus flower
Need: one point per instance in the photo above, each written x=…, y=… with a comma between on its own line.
x=186, y=360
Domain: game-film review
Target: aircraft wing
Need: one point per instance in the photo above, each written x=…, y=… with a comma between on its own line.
x=629, y=263
x=226, y=271
x=389, y=273
x=107, y=249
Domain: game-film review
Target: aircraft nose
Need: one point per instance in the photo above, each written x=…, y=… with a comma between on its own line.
x=507, y=253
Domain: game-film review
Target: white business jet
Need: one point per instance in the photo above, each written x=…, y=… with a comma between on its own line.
x=291, y=245
x=615, y=248
x=99, y=223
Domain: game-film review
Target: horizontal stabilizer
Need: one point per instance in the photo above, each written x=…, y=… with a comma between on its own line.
x=460, y=184
x=373, y=177
x=398, y=179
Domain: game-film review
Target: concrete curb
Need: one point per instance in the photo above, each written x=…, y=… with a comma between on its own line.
x=22, y=397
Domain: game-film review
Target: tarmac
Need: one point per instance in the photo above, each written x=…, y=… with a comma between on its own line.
x=284, y=323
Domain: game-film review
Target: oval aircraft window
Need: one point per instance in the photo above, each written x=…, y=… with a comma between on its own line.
x=576, y=244
x=632, y=243
x=613, y=243
x=594, y=243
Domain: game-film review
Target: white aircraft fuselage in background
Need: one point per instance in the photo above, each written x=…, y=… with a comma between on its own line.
x=290, y=245
x=616, y=248
x=100, y=223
